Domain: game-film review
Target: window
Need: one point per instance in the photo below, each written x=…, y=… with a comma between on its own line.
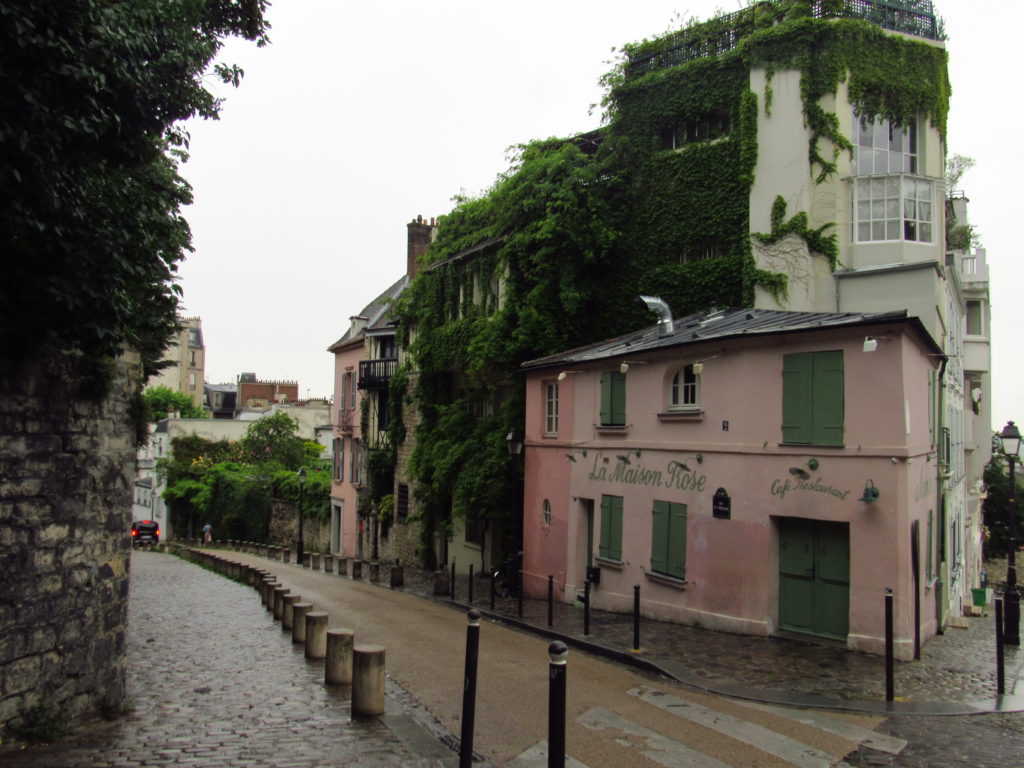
x=476, y=529
x=402, y=507
x=882, y=147
x=550, y=407
x=975, y=324
x=388, y=351
x=383, y=412
x=191, y=381
x=610, y=546
x=705, y=128
x=545, y=513
x=339, y=459
x=668, y=539
x=685, y=395
x=893, y=208
x=701, y=251
x=613, y=399
x=812, y=398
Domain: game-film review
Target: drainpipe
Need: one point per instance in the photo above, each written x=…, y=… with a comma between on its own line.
x=661, y=309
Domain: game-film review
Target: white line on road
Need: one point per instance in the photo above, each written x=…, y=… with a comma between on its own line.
x=658, y=748
x=537, y=757
x=757, y=736
x=841, y=728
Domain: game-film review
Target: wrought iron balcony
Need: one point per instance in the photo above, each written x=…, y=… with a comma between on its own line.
x=346, y=417
x=375, y=374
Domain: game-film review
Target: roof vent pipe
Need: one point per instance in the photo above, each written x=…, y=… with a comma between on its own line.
x=660, y=308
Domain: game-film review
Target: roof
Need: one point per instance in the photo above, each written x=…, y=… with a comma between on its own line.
x=377, y=312
x=717, y=325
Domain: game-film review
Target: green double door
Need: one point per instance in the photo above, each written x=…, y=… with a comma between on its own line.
x=814, y=577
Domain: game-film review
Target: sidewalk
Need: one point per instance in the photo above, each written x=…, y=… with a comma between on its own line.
x=956, y=673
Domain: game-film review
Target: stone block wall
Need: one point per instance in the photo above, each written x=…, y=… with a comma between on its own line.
x=284, y=528
x=67, y=467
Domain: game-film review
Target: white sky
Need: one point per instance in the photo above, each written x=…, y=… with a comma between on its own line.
x=360, y=116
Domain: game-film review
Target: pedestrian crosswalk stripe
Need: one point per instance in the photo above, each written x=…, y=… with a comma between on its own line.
x=841, y=728
x=757, y=736
x=537, y=757
x=656, y=747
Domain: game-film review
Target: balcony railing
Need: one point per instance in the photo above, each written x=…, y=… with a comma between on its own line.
x=375, y=374
x=346, y=418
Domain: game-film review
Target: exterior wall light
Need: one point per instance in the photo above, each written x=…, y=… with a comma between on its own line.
x=871, y=493
x=514, y=440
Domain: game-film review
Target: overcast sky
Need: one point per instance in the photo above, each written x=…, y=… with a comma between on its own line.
x=360, y=116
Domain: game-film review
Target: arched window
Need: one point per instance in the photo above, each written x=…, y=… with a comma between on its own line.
x=685, y=394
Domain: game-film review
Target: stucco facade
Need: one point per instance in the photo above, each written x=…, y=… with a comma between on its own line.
x=737, y=566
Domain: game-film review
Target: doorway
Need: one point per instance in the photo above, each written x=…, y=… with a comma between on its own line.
x=814, y=577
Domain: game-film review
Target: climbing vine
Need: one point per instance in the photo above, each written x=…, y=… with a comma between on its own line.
x=554, y=255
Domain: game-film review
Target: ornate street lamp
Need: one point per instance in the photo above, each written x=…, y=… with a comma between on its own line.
x=514, y=441
x=299, y=546
x=1010, y=438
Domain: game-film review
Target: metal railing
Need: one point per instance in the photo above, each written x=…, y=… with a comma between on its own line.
x=375, y=374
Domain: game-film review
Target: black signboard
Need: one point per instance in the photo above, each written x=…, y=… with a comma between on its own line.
x=721, y=505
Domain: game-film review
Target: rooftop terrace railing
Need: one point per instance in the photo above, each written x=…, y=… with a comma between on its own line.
x=723, y=33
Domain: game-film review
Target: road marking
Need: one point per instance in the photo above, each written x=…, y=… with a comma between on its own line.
x=841, y=728
x=656, y=747
x=537, y=757
x=757, y=736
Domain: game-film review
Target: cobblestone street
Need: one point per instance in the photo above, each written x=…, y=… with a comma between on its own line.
x=215, y=683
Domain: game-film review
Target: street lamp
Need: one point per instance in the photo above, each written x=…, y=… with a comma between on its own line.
x=514, y=441
x=299, y=547
x=1010, y=438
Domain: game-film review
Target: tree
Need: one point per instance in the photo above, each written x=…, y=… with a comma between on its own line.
x=995, y=510
x=91, y=229
x=159, y=400
x=274, y=438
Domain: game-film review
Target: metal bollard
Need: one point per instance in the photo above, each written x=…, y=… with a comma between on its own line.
x=519, y=592
x=551, y=600
x=494, y=575
x=586, y=607
x=636, y=617
x=1000, y=669
x=890, y=685
x=557, y=653
x=469, y=689
x=470, y=583
x=452, y=587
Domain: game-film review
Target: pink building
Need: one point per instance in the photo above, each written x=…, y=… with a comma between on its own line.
x=753, y=471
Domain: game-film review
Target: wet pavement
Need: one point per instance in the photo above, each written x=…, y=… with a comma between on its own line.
x=214, y=684
x=956, y=667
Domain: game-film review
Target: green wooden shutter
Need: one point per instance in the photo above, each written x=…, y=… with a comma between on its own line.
x=928, y=544
x=606, y=408
x=827, y=398
x=616, y=536
x=618, y=398
x=796, y=398
x=604, y=545
x=659, y=537
x=677, y=541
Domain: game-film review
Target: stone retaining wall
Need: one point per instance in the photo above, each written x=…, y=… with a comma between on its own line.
x=66, y=482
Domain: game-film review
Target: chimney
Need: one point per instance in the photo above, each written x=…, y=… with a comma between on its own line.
x=420, y=234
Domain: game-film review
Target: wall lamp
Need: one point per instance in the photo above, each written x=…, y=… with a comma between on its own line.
x=871, y=342
x=803, y=474
x=562, y=375
x=624, y=365
x=699, y=458
x=571, y=456
x=624, y=457
x=871, y=493
x=698, y=367
x=514, y=441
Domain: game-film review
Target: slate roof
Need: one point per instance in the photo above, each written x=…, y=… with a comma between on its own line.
x=722, y=324
x=377, y=312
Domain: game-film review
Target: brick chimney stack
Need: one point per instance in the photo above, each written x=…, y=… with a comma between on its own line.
x=420, y=234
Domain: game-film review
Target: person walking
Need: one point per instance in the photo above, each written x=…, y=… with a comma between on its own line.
x=207, y=534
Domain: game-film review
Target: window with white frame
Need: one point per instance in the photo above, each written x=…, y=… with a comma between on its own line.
x=888, y=202
x=551, y=407
x=685, y=390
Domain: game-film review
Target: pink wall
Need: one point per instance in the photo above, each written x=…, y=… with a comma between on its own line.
x=346, y=360
x=732, y=566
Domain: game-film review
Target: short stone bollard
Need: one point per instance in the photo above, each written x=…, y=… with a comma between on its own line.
x=338, y=666
x=314, y=561
x=329, y=563
x=286, y=556
x=288, y=611
x=316, y=634
x=375, y=572
x=299, y=611
x=357, y=569
x=343, y=566
x=441, y=582
x=397, y=576
x=279, y=595
x=267, y=590
x=367, y=681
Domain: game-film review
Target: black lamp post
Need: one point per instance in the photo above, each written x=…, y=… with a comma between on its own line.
x=300, y=545
x=1010, y=437
x=514, y=441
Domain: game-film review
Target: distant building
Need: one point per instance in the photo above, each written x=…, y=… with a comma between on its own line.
x=188, y=356
x=254, y=393
x=220, y=400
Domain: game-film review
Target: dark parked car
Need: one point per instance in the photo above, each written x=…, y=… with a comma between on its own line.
x=145, y=532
